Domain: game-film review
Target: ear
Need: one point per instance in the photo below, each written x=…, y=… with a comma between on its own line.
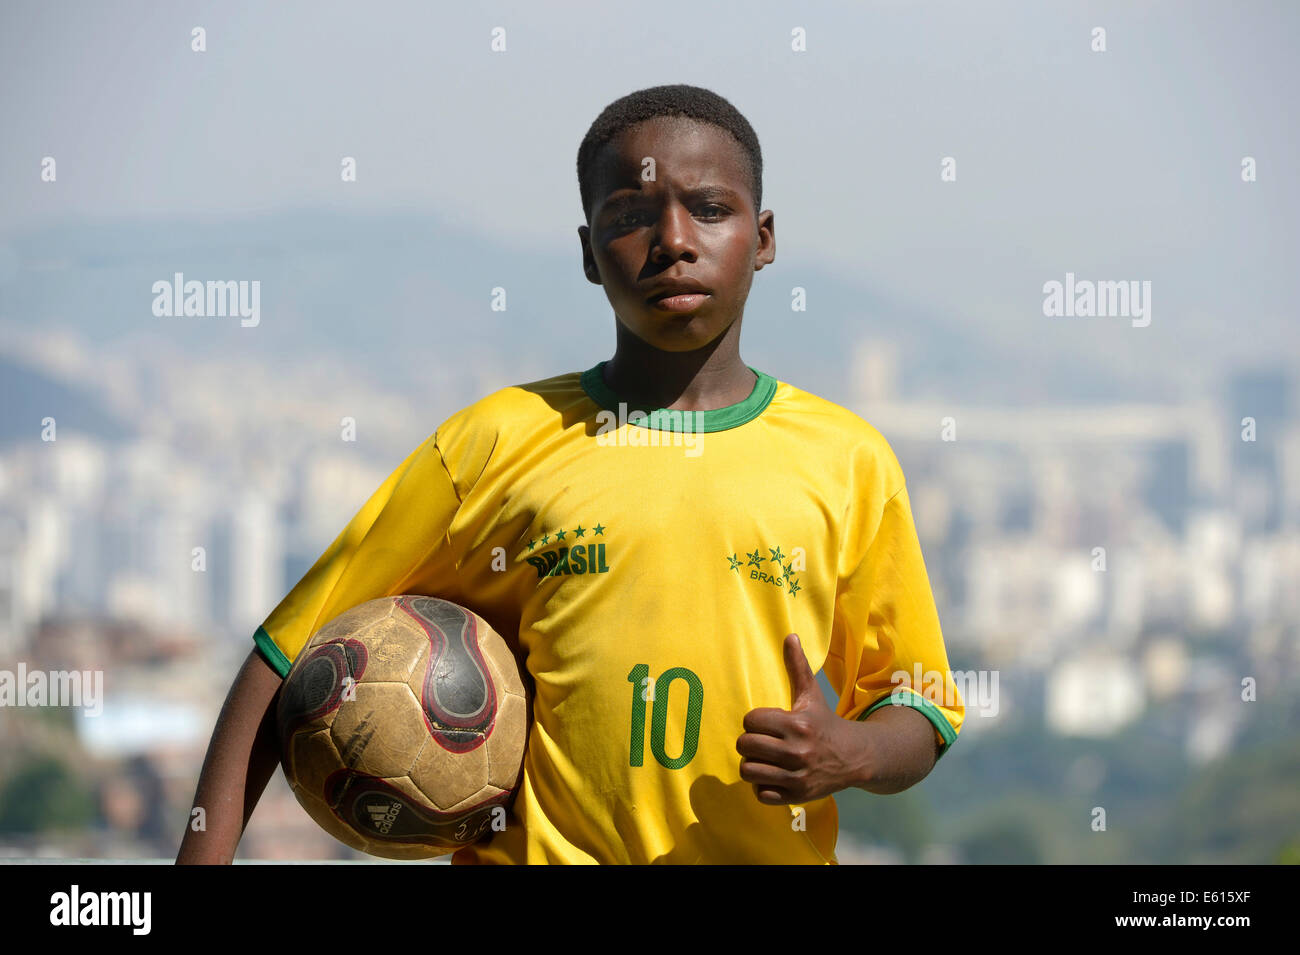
x=765, y=254
x=589, y=268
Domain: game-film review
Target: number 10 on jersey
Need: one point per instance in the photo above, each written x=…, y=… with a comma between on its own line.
x=655, y=692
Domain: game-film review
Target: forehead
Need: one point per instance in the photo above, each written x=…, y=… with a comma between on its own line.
x=686, y=151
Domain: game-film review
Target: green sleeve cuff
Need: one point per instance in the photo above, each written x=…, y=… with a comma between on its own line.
x=271, y=653
x=928, y=710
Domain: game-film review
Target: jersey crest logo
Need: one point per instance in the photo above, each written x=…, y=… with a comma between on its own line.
x=569, y=551
x=776, y=569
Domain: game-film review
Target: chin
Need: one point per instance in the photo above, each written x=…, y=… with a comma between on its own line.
x=675, y=333
x=676, y=343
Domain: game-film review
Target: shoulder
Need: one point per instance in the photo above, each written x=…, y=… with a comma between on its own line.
x=508, y=416
x=532, y=401
x=848, y=436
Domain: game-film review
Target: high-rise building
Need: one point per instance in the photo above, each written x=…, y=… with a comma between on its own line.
x=1264, y=397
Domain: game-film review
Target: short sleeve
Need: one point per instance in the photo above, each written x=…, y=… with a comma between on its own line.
x=399, y=533
x=886, y=643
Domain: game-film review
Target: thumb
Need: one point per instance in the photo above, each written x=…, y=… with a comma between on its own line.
x=803, y=685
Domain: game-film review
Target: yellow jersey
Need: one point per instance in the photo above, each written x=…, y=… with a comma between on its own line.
x=646, y=567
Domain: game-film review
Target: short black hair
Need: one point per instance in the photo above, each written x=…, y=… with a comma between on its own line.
x=690, y=102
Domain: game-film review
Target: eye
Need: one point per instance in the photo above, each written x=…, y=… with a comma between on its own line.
x=720, y=211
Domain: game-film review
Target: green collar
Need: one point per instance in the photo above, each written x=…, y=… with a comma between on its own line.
x=664, y=419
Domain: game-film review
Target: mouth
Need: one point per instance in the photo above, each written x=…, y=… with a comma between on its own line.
x=680, y=294
x=678, y=301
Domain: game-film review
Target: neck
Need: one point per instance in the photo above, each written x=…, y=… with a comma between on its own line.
x=702, y=380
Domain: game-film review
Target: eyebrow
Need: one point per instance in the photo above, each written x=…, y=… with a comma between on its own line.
x=626, y=196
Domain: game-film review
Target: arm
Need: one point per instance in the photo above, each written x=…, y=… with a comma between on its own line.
x=391, y=534
x=903, y=747
x=808, y=752
x=241, y=757
x=886, y=624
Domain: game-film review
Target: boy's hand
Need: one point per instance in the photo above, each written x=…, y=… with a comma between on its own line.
x=807, y=752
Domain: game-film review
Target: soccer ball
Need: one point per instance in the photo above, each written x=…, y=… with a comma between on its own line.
x=402, y=727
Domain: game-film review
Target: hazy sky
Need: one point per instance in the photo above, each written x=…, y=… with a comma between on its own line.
x=1116, y=165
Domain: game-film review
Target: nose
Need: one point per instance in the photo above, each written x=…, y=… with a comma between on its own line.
x=674, y=236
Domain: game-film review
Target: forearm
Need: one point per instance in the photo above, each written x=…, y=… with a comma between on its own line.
x=241, y=758
x=901, y=749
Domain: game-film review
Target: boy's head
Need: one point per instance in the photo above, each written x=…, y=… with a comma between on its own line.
x=679, y=100
x=671, y=186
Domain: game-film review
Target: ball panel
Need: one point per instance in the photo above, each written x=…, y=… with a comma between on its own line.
x=407, y=788
x=501, y=663
x=486, y=795
x=393, y=654
x=350, y=621
x=455, y=687
x=381, y=731
x=447, y=778
x=311, y=758
x=505, y=747
x=321, y=676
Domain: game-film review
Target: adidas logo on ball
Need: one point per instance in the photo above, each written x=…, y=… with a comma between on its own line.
x=383, y=816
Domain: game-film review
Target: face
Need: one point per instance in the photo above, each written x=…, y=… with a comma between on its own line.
x=695, y=224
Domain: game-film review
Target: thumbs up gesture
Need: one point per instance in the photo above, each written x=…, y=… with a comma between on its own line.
x=806, y=752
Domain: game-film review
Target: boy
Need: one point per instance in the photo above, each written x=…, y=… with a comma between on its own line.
x=669, y=579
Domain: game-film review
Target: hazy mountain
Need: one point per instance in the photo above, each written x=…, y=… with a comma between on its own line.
x=407, y=299
x=29, y=395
